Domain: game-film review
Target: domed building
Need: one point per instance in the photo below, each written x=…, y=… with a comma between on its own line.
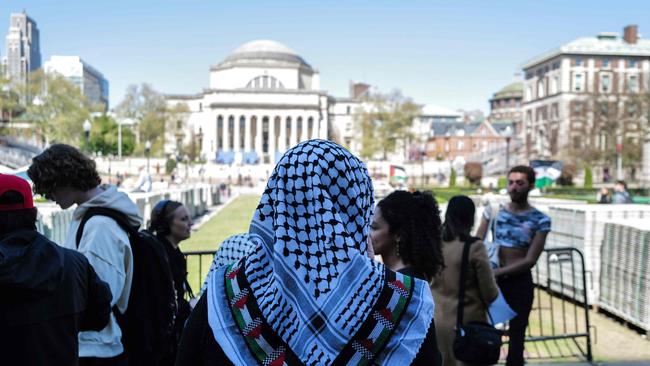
x=263, y=99
x=505, y=105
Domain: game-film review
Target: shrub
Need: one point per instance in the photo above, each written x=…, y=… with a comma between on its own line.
x=170, y=165
x=452, y=178
x=589, y=179
x=474, y=173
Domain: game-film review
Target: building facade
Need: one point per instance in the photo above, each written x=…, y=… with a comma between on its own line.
x=461, y=142
x=22, y=52
x=263, y=99
x=581, y=97
x=90, y=81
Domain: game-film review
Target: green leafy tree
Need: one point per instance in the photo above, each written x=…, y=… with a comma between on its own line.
x=104, y=137
x=147, y=106
x=384, y=120
x=55, y=106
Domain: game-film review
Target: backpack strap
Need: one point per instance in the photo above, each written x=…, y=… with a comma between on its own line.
x=119, y=217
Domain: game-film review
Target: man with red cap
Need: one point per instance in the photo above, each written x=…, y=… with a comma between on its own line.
x=49, y=293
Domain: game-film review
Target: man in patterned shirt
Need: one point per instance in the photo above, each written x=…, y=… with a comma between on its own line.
x=520, y=231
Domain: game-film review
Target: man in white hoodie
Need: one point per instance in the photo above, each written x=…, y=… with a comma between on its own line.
x=63, y=174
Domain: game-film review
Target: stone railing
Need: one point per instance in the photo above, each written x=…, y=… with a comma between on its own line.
x=54, y=222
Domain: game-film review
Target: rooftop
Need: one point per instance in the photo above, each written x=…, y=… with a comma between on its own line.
x=265, y=52
x=606, y=43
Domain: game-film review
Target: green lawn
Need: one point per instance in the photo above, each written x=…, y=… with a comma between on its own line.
x=233, y=219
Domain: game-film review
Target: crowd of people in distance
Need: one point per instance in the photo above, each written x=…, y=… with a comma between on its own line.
x=324, y=276
x=620, y=194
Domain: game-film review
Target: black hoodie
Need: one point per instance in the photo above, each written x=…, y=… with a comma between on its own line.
x=47, y=295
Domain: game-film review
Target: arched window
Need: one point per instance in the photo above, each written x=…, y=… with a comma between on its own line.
x=264, y=82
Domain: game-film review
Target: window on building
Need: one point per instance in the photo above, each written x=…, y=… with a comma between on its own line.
x=631, y=63
x=633, y=84
x=631, y=109
x=605, y=62
x=577, y=142
x=264, y=82
x=577, y=82
x=555, y=81
x=577, y=108
x=460, y=145
x=578, y=61
x=347, y=111
x=540, y=89
x=605, y=83
x=529, y=93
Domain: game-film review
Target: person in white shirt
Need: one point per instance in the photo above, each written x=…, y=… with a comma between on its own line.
x=63, y=174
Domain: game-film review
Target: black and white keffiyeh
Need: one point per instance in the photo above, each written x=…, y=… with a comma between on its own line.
x=308, y=293
x=231, y=250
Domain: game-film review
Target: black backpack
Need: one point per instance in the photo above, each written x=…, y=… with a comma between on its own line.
x=148, y=323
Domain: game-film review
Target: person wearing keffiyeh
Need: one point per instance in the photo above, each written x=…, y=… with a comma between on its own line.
x=231, y=250
x=308, y=293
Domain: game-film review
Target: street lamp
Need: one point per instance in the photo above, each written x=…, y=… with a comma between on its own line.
x=507, y=133
x=86, y=126
x=147, y=150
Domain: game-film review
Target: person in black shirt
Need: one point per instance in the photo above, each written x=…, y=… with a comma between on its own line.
x=49, y=293
x=171, y=222
x=406, y=233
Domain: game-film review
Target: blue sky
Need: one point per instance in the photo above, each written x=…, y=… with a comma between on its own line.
x=450, y=53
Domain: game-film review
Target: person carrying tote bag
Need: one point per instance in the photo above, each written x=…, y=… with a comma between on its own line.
x=476, y=342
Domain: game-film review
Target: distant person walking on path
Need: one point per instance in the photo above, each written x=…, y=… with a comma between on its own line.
x=49, y=293
x=171, y=222
x=143, y=184
x=65, y=175
x=405, y=231
x=621, y=195
x=480, y=285
x=521, y=232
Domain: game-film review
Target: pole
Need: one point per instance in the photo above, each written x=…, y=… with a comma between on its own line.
x=619, y=157
x=119, y=139
x=507, y=153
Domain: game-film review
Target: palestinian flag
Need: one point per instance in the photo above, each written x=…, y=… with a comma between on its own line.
x=397, y=174
x=546, y=172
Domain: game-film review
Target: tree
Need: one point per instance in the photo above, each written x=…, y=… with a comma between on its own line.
x=474, y=173
x=104, y=137
x=384, y=120
x=452, y=178
x=588, y=178
x=176, y=125
x=145, y=105
x=56, y=106
x=566, y=178
x=605, y=119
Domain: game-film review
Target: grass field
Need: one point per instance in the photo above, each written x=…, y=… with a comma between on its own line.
x=233, y=219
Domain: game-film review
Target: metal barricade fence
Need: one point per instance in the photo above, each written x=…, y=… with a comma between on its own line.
x=559, y=327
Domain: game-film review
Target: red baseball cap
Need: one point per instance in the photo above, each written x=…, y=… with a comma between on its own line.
x=14, y=183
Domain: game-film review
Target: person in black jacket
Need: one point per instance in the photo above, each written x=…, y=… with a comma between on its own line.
x=171, y=222
x=49, y=293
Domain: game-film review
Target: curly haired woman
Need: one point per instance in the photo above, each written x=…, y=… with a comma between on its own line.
x=405, y=231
